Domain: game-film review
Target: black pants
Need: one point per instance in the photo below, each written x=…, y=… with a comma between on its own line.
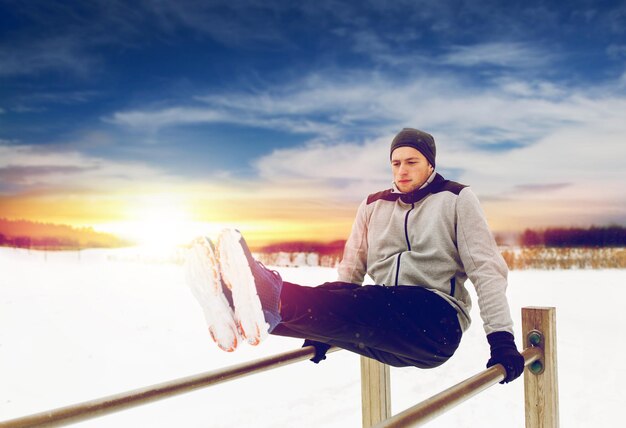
x=400, y=326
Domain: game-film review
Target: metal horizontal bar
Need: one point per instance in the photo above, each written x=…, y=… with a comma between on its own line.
x=453, y=396
x=125, y=400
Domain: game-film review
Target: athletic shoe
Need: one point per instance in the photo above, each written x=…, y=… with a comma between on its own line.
x=256, y=289
x=204, y=280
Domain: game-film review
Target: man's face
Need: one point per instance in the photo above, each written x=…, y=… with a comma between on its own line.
x=410, y=168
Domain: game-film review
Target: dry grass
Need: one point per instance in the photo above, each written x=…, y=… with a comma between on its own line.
x=565, y=258
x=517, y=258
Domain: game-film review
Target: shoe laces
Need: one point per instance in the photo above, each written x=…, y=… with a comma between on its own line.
x=273, y=272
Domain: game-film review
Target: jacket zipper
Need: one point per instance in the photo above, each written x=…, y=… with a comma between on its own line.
x=406, y=227
x=406, y=237
x=398, y=268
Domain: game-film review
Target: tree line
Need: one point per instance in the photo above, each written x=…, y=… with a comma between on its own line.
x=47, y=236
x=560, y=237
x=29, y=242
x=50, y=243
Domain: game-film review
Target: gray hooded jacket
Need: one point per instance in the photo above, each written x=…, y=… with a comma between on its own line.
x=435, y=237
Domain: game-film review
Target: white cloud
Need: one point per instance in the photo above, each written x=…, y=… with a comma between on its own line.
x=333, y=106
x=50, y=54
x=35, y=167
x=513, y=133
x=323, y=104
x=314, y=105
x=166, y=117
x=229, y=22
x=577, y=139
x=347, y=171
x=532, y=88
x=515, y=55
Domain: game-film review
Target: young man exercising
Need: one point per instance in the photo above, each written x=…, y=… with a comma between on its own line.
x=419, y=241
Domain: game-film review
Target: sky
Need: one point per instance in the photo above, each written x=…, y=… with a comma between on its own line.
x=161, y=120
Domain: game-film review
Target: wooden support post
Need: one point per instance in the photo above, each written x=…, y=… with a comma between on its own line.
x=375, y=392
x=541, y=389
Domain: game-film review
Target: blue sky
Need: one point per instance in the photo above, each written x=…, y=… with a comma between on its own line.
x=296, y=102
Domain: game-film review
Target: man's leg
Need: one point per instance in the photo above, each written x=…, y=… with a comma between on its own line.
x=400, y=326
x=203, y=278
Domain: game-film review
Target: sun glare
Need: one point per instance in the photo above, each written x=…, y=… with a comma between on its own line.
x=158, y=222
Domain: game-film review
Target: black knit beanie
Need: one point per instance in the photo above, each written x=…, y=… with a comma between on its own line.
x=419, y=140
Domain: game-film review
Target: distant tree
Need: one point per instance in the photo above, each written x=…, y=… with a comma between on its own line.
x=22, y=242
x=29, y=234
x=531, y=238
x=611, y=236
x=306, y=247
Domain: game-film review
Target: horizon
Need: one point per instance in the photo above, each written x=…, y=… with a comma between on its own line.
x=52, y=236
x=162, y=121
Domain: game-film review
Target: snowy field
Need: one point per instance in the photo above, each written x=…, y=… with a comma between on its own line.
x=77, y=326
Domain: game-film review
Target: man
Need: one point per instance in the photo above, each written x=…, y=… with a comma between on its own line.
x=419, y=241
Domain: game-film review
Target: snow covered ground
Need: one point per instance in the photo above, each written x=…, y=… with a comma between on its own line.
x=77, y=326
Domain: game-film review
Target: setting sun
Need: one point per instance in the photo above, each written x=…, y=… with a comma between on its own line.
x=156, y=221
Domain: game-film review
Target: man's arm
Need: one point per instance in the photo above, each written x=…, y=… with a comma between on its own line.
x=353, y=266
x=483, y=263
x=487, y=270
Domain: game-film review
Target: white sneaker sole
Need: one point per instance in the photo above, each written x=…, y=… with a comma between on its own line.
x=238, y=277
x=202, y=276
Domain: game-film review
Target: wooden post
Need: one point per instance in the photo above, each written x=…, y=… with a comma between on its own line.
x=541, y=389
x=375, y=392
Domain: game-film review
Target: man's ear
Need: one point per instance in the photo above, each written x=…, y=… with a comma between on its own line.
x=430, y=169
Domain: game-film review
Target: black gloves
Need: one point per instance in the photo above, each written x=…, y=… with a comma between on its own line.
x=503, y=351
x=320, y=349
